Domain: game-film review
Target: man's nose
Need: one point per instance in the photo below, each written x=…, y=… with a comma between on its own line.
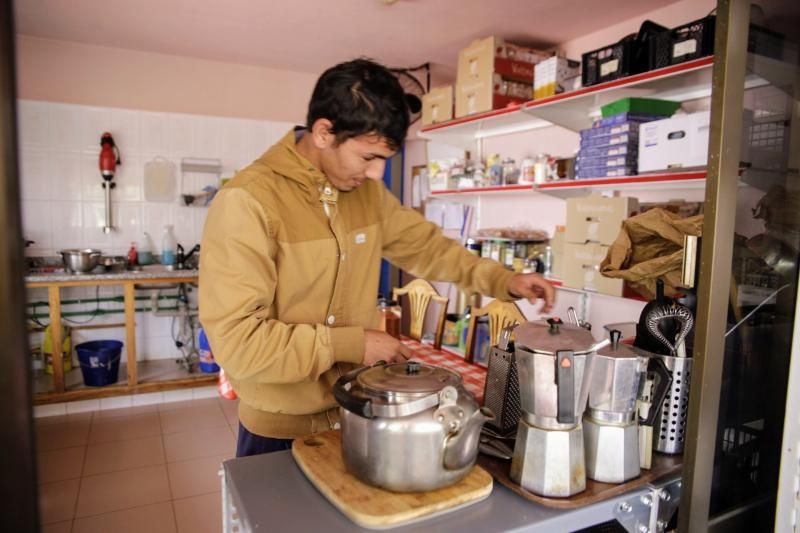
x=375, y=169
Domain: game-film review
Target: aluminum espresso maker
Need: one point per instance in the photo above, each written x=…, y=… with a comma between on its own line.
x=610, y=424
x=554, y=362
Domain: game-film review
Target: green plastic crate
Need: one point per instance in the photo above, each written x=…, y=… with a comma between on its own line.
x=651, y=106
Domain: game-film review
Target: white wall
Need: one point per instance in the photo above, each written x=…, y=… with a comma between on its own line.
x=62, y=197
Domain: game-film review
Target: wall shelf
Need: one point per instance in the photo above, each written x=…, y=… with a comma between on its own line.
x=577, y=109
x=695, y=179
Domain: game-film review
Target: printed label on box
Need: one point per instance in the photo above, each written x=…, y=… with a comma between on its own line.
x=650, y=136
x=684, y=48
x=609, y=67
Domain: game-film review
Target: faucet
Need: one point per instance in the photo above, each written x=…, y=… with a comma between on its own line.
x=181, y=257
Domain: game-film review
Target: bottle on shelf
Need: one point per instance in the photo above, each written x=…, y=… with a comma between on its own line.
x=146, y=250
x=168, y=246
x=461, y=328
x=133, y=257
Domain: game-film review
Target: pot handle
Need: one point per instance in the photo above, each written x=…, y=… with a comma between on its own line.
x=662, y=383
x=565, y=384
x=351, y=402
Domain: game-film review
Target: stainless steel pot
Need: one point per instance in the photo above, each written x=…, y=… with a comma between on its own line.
x=408, y=427
x=80, y=261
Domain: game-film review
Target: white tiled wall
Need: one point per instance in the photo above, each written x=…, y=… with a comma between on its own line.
x=62, y=196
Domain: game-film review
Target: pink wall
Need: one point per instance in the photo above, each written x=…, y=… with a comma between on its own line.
x=60, y=71
x=670, y=16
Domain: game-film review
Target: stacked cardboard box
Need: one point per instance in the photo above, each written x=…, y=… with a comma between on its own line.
x=437, y=105
x=593, y=223
x=554, y=76
x=493, y=74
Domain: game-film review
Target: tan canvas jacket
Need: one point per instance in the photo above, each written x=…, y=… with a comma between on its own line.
x=287, y=290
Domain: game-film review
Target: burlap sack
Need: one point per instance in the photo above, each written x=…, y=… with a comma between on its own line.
x=650, y=246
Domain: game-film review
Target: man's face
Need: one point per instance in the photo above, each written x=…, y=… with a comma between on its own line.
x=349, y=164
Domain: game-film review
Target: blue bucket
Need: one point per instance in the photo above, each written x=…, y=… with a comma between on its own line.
x=99, y=362
x=206, y=359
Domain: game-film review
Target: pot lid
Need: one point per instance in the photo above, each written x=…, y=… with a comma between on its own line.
x=409, y=378
x=552, y=335
x=616, y=348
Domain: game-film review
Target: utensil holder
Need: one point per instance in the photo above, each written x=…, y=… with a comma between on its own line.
x=501, y=392
x=670, y=423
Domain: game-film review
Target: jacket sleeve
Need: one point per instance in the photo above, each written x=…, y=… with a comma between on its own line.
x=418, y=246
x=238, y=276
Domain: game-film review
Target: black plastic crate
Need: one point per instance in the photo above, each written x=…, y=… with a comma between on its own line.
x=609, y=63
x=696, y=39
x=691, y=41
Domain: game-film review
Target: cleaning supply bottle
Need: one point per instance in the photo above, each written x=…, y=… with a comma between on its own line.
x=168, y=246
x=133, y=256
x=146, y=250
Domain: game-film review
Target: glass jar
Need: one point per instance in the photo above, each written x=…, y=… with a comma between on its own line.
x=527, y=172
x=510, y=172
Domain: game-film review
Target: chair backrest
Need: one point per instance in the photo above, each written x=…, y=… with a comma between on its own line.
x=420, y=293
x=501, y=314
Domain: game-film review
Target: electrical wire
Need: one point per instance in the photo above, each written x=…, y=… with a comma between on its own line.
x=93, y=314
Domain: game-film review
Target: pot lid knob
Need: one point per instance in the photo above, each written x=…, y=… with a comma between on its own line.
x=412, y=367
x=555, y=323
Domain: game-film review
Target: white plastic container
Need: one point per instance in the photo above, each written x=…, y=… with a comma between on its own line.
x=168, y=246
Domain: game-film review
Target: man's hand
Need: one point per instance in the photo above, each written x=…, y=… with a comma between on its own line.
x=533, y=287
x=380, y=346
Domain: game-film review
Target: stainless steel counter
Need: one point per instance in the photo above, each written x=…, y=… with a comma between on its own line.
x=270, y=493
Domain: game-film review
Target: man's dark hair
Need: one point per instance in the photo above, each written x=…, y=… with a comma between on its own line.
x=361, y=97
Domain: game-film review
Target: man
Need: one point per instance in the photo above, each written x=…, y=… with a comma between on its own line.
x=290, y=259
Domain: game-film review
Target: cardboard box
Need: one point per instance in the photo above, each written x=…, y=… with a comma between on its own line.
x=581, y=269
x=550, y=76
x=483, y=58
x=597, y=219
x=677, y=142
x=479, y=95
x=437, y=105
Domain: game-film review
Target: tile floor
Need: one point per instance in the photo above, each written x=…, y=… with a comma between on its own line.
x=150, y=469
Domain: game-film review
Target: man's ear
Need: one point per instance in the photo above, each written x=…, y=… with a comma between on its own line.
x=322, y=134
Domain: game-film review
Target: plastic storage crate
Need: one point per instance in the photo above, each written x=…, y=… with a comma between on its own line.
x=609, y=63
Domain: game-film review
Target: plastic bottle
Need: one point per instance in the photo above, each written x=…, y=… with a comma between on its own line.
x=168, y=245
x=133, y=256
x=461, y=327
x=146, y=250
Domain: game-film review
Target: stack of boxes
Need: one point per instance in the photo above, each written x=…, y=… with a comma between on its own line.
x=554, y=76
x=593, y=223
x=493, y=74
x=610, y=148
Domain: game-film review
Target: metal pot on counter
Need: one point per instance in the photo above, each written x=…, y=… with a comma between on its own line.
x=408, y=427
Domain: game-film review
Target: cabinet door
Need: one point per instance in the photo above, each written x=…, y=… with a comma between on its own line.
x=747, y=292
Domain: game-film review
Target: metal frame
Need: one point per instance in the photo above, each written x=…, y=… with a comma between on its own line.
x=727, y=100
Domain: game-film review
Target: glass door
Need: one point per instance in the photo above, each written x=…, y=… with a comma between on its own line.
x=747, y=292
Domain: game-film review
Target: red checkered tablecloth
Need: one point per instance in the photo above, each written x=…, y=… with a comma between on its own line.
x=474, y=376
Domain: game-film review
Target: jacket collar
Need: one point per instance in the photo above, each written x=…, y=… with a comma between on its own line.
x=284, y=159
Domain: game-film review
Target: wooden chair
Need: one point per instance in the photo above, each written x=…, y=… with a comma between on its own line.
x=501, y=314
x=420, y=293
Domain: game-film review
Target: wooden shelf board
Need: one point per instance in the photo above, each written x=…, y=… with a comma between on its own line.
x=154, y=375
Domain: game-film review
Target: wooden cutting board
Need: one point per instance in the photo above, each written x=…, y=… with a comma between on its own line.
x=320, y=458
